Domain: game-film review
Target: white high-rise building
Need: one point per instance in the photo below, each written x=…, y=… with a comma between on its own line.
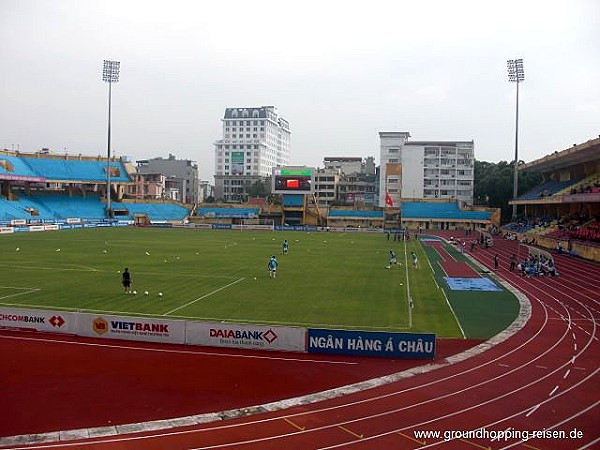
x=254, y=141
x=425, y=169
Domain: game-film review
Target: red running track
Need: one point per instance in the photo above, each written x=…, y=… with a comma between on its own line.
x=452, y=267
x=543, y=377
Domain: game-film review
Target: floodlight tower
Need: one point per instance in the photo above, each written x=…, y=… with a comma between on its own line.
x=110, y=74
x=516, y=75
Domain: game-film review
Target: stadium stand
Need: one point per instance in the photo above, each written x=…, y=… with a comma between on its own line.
x=228, y=213
x=354, y=213
x=26, y=178
x=76, y=170
x=293, y=200
x=563, y=214
x=447, y=211
x=549, y=188
x=60, y=168
x=154, y=211
x=13, y=167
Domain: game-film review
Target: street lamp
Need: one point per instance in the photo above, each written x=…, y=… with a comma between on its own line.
x=516, y=75
x=110, y=74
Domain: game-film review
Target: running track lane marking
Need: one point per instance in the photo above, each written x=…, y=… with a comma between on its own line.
x=484, y=403
x=534, y=409
x=476, y=445
x=295, y=425
x=182, y=352
x=561, y=423
x=412, y=438
x=204, y=296
x=529, y=446
x=359, y=436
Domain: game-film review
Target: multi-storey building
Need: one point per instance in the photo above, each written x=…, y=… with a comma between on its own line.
x=425, y=169
x=254, y=141
x=181, y=177
x=346, y=181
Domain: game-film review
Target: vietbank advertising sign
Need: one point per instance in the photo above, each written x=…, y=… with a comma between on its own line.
x=131, y=328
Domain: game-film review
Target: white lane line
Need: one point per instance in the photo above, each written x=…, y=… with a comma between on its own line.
x=181, y=352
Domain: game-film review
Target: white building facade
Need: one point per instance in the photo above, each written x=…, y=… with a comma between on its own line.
x=254, y=140
x=425, y=169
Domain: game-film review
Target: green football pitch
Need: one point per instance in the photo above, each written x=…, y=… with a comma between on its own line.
x=330, y=280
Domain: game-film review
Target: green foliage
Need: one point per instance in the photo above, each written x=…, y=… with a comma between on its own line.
x=494, y=185
x=259, y=189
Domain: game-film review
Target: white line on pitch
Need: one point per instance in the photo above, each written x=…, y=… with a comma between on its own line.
x=203, y=297
x=19, y=293
x=554, y=391
x=21, y=288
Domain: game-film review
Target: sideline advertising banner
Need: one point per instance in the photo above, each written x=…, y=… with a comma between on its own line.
x=131, y=328
x=258, y=337
x=38, y=320
x=370, y=343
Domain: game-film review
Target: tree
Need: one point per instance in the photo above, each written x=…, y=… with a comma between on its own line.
x=259, y=189
x=494, y=185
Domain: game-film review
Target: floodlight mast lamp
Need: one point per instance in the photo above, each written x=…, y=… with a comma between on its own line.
x=110, y=74
x=516, y=75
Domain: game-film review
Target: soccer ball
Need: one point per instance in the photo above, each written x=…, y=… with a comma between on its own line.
x=146, y=293
x=134, y=292
x=148, y=253
x=160, y=294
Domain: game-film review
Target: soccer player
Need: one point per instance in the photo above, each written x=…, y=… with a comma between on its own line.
x=272, y=267
x=286, y=247
x=127, y=281
x=393, y=258
x=415, y=260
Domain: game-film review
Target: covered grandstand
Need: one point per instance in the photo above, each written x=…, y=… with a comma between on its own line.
x=46, y=188
x=563, y=212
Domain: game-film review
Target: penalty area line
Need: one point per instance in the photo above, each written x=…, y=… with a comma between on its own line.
x=203, y=297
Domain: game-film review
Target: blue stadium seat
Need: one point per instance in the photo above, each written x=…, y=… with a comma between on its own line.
x=228, y=213
x=449, y=211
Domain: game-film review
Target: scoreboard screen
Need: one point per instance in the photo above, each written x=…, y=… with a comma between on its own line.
x=293, y=180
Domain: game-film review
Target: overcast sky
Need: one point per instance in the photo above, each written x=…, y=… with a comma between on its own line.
x=339, y=71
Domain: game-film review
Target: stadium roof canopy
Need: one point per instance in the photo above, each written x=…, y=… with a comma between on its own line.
x=578, y=154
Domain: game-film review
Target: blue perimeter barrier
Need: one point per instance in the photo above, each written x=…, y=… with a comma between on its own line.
x=371, y=343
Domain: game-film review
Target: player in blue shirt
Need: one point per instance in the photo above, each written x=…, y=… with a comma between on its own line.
x=272, y=267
